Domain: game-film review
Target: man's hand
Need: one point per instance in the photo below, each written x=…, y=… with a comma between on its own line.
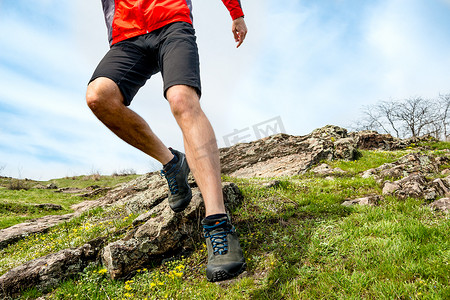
x=239, y=30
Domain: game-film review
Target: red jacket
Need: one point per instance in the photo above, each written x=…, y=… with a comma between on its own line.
x=129, y=18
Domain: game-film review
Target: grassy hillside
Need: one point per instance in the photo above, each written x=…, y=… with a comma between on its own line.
x=300, y=243
x=18, y=197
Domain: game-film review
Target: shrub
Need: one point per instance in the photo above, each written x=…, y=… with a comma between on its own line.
x=17, y=185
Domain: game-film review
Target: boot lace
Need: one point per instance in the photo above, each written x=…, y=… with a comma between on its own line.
x=218, y=239
x=171, y=179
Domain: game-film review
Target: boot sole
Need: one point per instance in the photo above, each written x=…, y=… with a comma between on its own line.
x=222, y=275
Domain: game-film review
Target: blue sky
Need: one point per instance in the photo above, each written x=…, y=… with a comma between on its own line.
x=310, y=63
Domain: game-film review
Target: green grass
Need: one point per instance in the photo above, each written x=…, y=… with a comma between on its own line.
x=368, y=160
x=90, y=180
x=299, y=242
x=16, y=206
x=435, y=145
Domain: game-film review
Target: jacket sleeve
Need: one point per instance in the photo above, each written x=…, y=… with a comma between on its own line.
x=234, y=7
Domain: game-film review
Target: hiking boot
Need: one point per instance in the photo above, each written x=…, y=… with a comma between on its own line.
x=225, y=257
x=180, y=193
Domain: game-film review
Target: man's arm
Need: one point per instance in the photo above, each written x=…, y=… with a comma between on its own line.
x=238, y=28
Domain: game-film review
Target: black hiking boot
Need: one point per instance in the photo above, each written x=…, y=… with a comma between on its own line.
x=180, y=193
x=225, y=257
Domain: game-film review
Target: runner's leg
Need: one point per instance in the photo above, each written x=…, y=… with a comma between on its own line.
x=106, y=102
x=200, y=145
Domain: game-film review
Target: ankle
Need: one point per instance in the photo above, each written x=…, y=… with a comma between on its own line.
x=172, y=162
x=216, y=216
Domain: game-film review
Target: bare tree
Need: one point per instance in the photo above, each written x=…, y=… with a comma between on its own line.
x=388, y=111
x=380, y=117
x=411, y=117
x=416, y=114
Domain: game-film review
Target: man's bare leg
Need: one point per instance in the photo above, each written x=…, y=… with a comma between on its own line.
x=225, y=257
x=200, y=145
x=106, y=102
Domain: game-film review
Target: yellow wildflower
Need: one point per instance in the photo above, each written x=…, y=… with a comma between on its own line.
x=102, y=271
x=178, y=274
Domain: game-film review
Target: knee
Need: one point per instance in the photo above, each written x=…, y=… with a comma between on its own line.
x=93, y=98
x=184, y=103
x=101, y=94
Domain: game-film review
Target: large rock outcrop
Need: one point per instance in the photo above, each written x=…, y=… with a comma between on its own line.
x=286, y=155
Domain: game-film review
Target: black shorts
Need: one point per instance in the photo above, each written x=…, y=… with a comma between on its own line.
x=171, y=49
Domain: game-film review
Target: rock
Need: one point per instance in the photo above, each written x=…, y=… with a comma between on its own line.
x=39, y=186
x=445, y=172
x=345, y=148
x=420, y=163
x=417, y=186
x=325, y=169
x=94, y=192
x=88, y=192
x=369, y=173
x=429, y=194
x=14, y=233
x=286, y=155
x=137, y=195
x=331, y=132
x=371, y=140
x=232, y=196
x=68, y=190
x=51, y=186
x=411, y=186
x=46, y=272
x=49, y=206
x=394, y=172
x=441, y=204
x=442, y=186
x=272, y=184
x=371, y=200
x=390, y=187
x=157, y=235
